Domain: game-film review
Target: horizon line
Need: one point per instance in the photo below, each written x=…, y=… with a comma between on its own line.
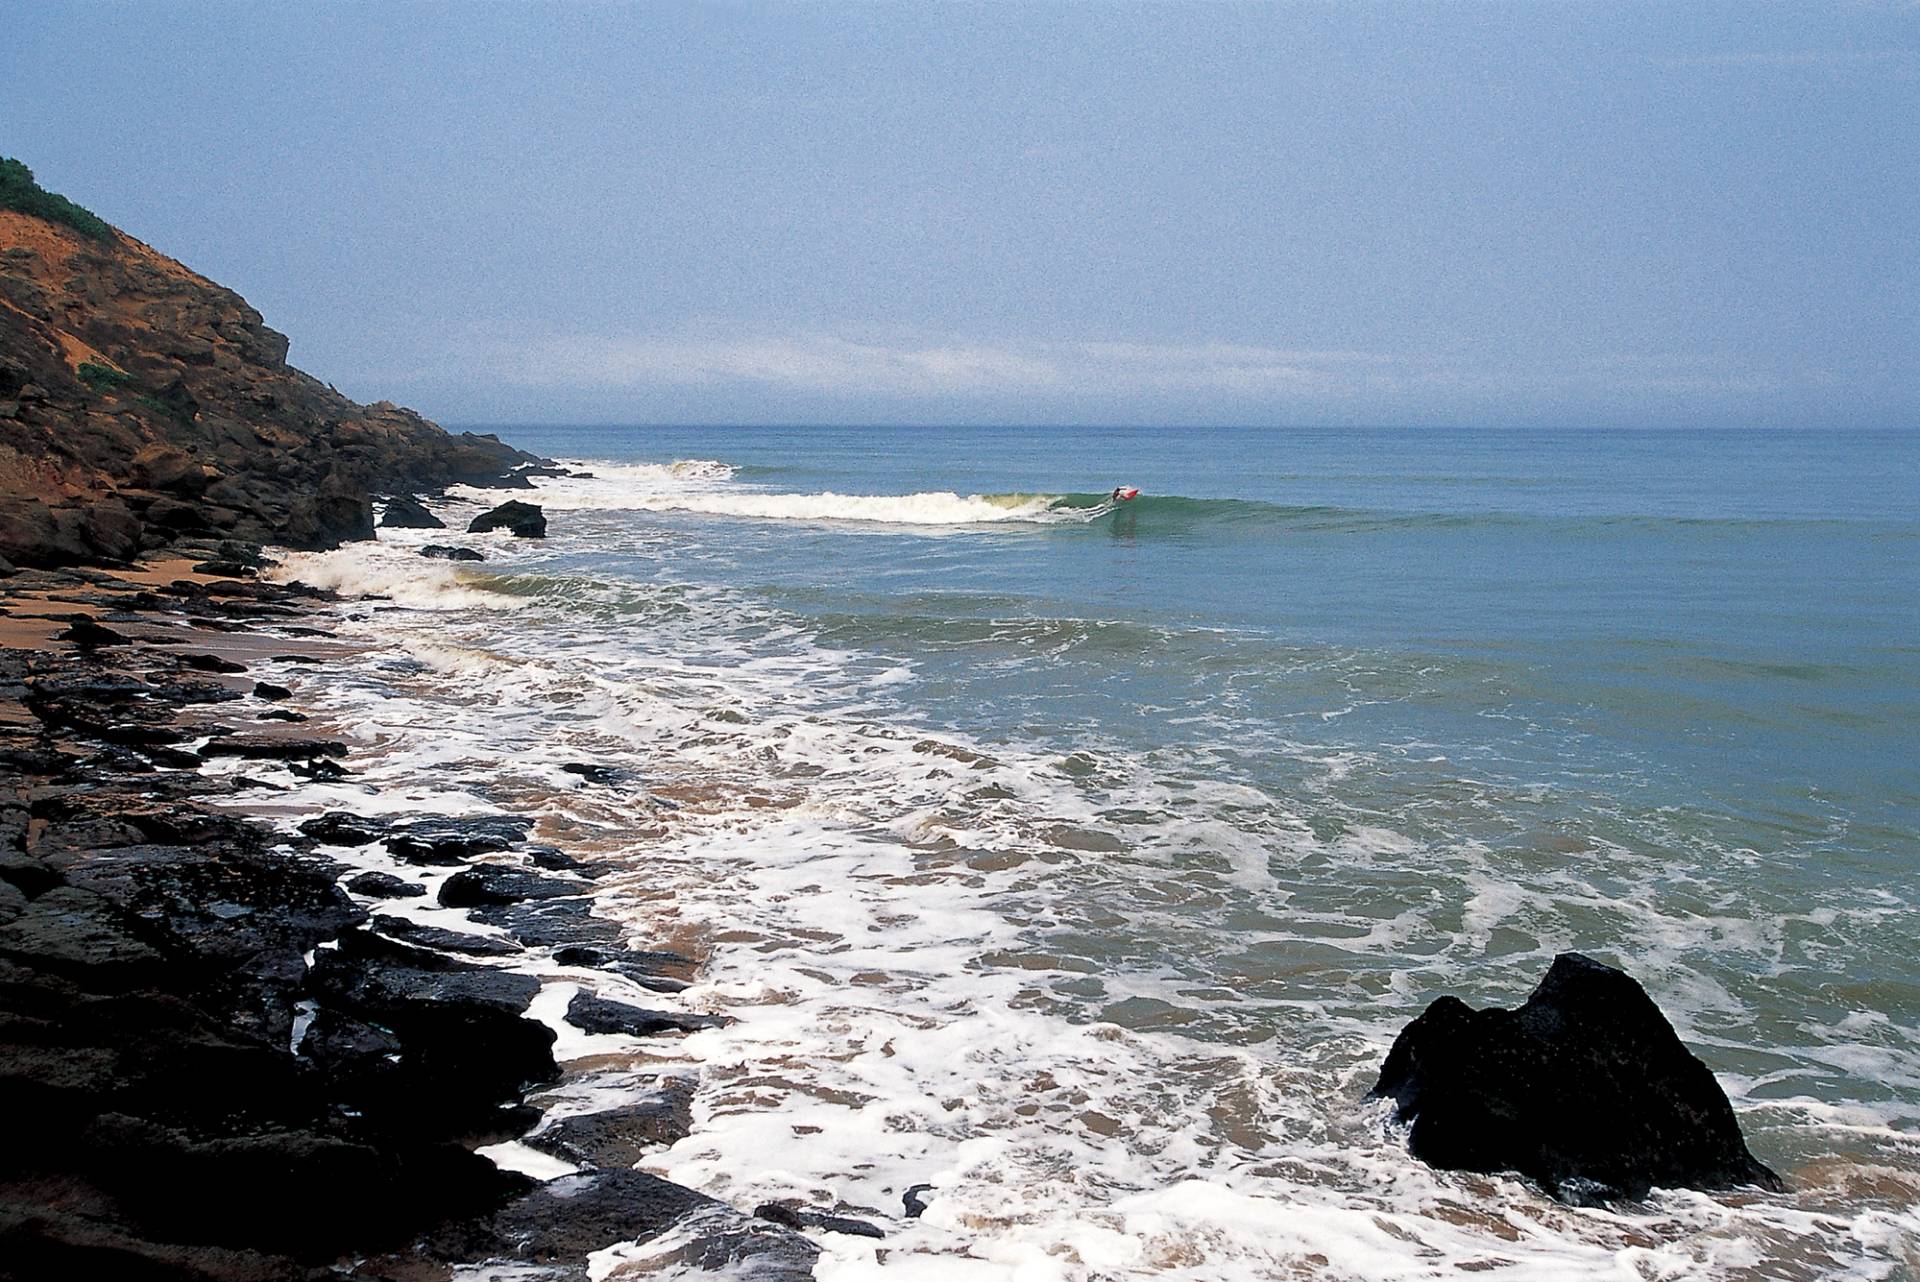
x=469, y=425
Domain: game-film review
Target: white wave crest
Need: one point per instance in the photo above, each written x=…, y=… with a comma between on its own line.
x=929, y=508
x=704, y=486
x=612, y=487
x=394, y=571
x=686, y=469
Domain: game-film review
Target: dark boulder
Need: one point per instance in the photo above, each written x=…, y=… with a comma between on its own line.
x=190, y=690
x=550, y=923
x=559, y=861
x=663, y=972
x=384, y=885
x=318, y=768
x=177, y=517
x=407, y=513
x=210, y=663
x=619, y=1137
x=222, y=908
x=163, y=467
x=30, y=875
x=36, y=534
x=442, y=552
x=560, y=1223
x=270, y=749
x=599, y=1015
x=522, y=520
x=440, y=939
x=223, y=568
x=1585, y=1088
x=29, y=535
x=801, y=1217
x=916, y=1199
x=338, y=828
x=445, y=840
x=75, y=932
x=460, y=1023
x=593, y=772
x=491, y=884
x=32, y=533
x=267, y=690
x=93, y=685
x=258, y=1190
x=322, y=521
x=110, y=530
x=39, y=1242
x=88, y=634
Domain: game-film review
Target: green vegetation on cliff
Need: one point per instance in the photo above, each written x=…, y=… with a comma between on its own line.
x=102, y=378
x=18, y=191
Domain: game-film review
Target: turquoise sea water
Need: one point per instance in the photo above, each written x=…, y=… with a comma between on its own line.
x=1323, y=725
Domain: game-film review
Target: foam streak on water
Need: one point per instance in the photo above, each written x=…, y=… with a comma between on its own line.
x=1118, y=1001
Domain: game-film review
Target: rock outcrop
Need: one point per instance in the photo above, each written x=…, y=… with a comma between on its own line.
x=522, y=520
x=406, y=513
x=1585, y=1088
x=219, y=1062
x=141, y=403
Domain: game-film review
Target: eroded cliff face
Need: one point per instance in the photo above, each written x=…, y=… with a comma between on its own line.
x=141, y=403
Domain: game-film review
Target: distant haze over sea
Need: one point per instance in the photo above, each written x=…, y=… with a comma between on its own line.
x=1612, y=215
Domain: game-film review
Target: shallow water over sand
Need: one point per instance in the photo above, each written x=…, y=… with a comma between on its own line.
x=1083, y=862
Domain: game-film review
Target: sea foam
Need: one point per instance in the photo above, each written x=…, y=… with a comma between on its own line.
x=1122, y=1020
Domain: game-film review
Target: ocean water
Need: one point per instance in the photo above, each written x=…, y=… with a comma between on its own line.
x=1083, y=860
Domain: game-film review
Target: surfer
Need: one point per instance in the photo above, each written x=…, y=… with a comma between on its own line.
x=1121, y=493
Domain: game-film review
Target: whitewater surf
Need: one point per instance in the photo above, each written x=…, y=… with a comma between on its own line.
x=1084, y=869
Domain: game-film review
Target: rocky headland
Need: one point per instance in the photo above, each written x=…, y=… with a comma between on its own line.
x=219, y=1057
x=141, y=403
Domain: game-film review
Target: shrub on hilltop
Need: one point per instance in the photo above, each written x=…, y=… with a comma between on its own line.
x=19, y=192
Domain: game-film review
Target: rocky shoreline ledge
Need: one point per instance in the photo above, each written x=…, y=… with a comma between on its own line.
x=221, y=1058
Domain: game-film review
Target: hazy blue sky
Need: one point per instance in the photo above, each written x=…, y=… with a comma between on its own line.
x=1440, y=213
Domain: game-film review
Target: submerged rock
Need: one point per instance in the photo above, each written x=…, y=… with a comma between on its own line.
x=474, y=887
x=444, y=552
x=550, y=923
x=1585, y=1088
x=318, y=768
x=274, y=749
x=801, y=1217
x=522, y=520
x=618, y=1138
x=663, y=972
x=600, y=1015
x=593, y=772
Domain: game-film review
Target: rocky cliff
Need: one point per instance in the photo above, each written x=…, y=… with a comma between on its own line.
x=141, y=403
